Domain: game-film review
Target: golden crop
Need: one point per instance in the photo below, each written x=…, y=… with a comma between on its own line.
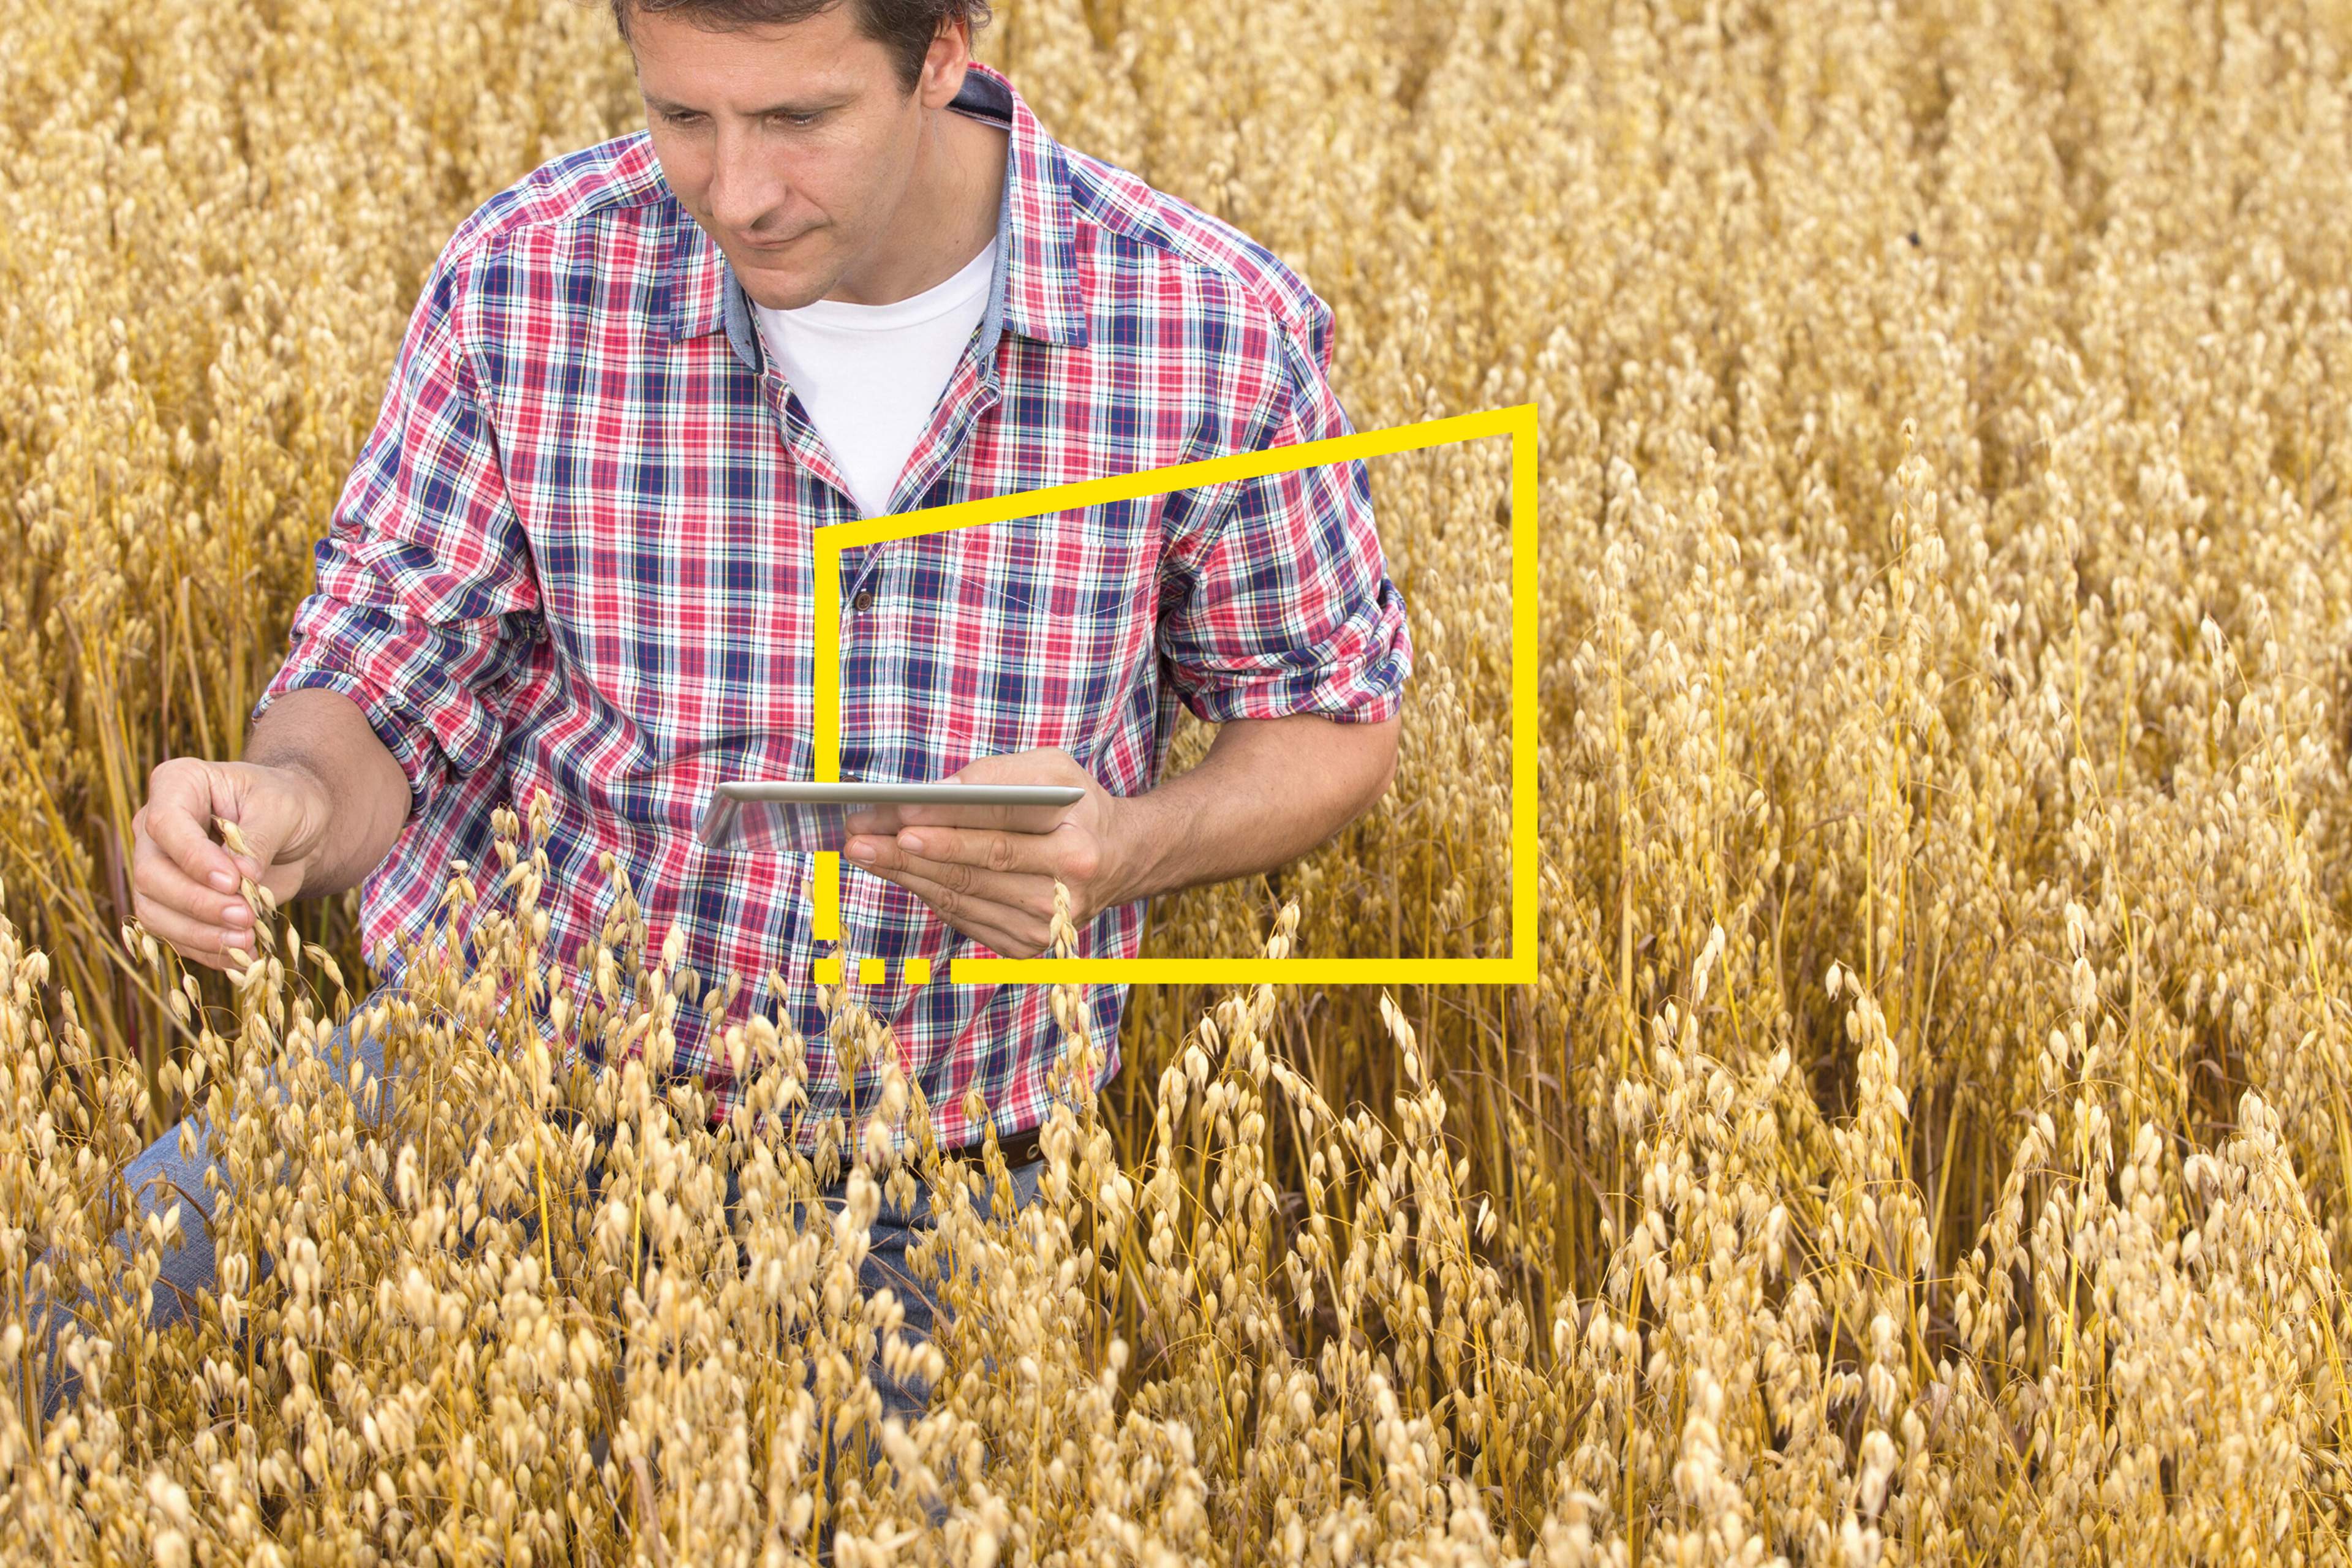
x=1929, y=1139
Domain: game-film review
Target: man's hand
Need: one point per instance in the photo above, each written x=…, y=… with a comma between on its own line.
x=989, y=871
x=184, y=884
x=1269, y=791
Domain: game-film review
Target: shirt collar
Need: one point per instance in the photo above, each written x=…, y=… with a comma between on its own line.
x=1036, y=292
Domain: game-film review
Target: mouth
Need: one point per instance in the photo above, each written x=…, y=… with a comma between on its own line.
x=770, y=247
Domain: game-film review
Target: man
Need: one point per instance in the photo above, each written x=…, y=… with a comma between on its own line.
x=844, y=271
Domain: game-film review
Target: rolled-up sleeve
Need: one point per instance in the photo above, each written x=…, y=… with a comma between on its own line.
x=426, y=595
x=1280, y=603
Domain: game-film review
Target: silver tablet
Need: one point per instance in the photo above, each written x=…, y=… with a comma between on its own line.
x=757, y=814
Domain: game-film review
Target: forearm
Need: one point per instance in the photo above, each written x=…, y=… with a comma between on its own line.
x=1269, y=791
x=324, y=736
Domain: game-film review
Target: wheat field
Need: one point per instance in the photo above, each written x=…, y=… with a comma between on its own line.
x=1929, y=1138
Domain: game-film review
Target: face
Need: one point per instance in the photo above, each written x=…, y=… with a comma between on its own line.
x=793, y=146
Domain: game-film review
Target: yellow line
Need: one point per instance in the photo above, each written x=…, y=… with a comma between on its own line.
x=1526, y=855
x=827, y=876
x=1511, y=971
x=825, y=719
x=1182, y=477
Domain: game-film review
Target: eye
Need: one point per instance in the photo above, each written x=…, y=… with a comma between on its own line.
x=801, y=119
x=680, y=117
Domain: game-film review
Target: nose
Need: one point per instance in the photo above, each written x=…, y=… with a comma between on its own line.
x=744, y=183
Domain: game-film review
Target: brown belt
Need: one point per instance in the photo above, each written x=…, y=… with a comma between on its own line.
x=1019, y=1150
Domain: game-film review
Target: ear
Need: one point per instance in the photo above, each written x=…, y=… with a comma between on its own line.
x=944, y=64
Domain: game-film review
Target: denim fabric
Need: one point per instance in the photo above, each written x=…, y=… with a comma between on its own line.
x=160, y=1177
x=895, y=1230
x=188, y=1269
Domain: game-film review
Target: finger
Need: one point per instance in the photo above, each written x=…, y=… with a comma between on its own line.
x=989, y=848
x=266, y=816
x=986, y=849
x=159, y=876
x=1029, y=819
x=1027, y=893
x=178, y=813
x=1064, y=855
x=879, y=818
x=191, y=938
x=1043, y=764
x=1010, y=932
x=953, y=903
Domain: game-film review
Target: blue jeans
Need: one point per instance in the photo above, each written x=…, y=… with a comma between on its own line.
x=188, y=1269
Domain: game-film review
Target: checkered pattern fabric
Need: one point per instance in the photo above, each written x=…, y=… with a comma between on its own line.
x=574, y=556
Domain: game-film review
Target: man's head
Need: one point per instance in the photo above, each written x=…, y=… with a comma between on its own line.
x=904, y=28
x=799, y=134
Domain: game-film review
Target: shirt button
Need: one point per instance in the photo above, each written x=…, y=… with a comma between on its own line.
x=863, y=601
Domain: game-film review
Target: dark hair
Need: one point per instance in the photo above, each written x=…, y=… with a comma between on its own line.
x=903, y=27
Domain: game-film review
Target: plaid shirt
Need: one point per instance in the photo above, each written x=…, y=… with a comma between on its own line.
x=573, y=555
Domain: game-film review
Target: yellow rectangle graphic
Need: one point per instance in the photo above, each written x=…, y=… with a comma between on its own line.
x=1518, y=968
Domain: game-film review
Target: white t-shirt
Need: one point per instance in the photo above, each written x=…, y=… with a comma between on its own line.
x=869, y=375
